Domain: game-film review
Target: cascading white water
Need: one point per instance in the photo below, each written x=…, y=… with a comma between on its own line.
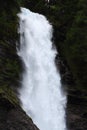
x=40, y=94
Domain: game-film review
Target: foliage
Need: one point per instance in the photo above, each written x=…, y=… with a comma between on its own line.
x=76, y=44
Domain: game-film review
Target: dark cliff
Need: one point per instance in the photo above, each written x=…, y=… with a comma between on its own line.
x=69, y=19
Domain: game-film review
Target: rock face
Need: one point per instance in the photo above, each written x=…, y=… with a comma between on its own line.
x=12, y=117
x=76, y=113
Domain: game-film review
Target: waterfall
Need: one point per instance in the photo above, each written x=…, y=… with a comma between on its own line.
x=41, y=94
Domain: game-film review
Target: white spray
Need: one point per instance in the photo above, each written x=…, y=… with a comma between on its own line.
x=40, y=93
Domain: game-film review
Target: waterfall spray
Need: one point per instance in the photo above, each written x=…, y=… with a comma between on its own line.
x=41, y=94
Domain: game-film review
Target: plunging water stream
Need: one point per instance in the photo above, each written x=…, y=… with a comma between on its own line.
x=41, y=93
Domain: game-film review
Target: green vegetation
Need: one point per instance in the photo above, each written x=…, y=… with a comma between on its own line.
x=75, y=46
x=70, y=31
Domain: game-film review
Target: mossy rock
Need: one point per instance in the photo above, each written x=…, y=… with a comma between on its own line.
x=8, y=94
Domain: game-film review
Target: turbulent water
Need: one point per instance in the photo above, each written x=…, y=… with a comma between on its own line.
x=40, y=94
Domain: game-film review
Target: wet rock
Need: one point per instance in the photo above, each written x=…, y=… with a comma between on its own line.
x=75, y=118
x=12, y=117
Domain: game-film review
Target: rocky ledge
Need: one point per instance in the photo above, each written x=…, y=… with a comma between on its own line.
x=76, y=113
x=12, y=117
